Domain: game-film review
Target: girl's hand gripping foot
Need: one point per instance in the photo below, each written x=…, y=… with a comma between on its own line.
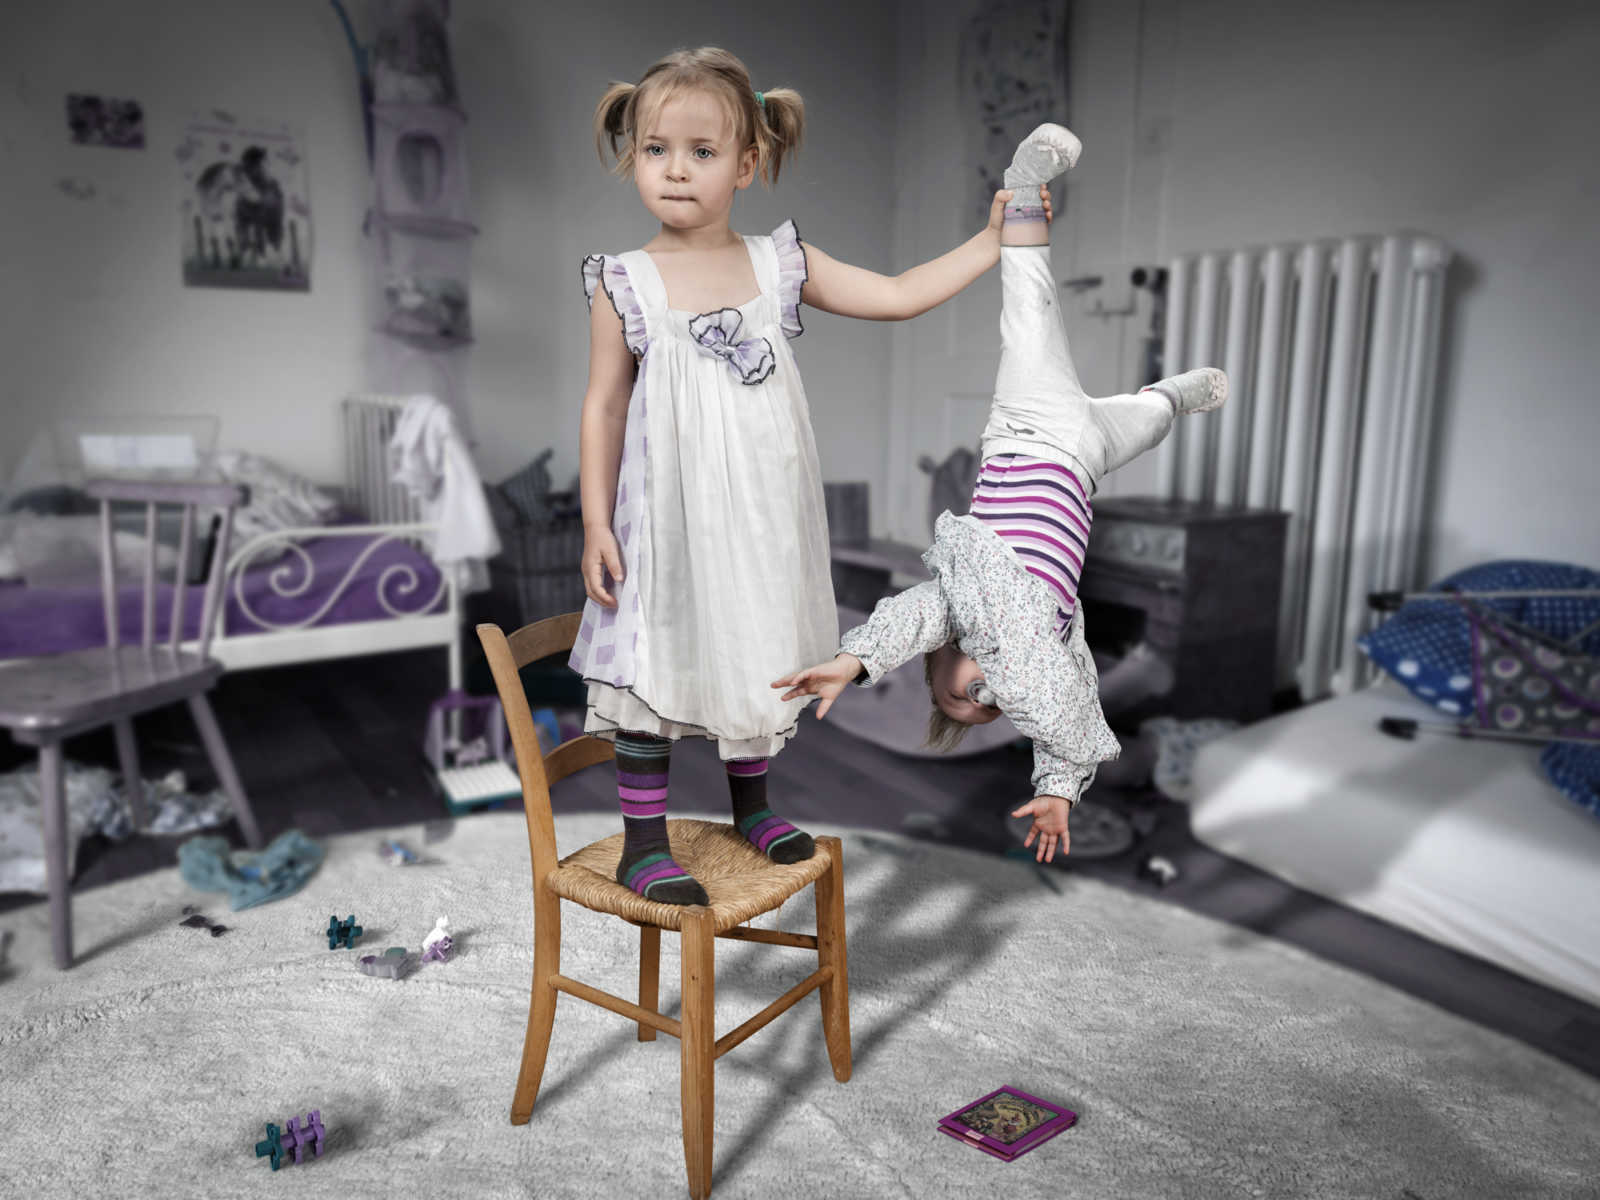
x=1003, y=199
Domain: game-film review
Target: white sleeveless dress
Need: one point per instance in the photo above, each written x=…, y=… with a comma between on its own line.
x=719, y=516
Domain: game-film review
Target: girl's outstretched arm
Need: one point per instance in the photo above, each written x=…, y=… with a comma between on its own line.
x=600, y=430
x=838, y=287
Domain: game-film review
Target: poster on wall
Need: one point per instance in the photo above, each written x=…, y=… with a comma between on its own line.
x=105, y=121
x=246, y=208
x=1013, y=79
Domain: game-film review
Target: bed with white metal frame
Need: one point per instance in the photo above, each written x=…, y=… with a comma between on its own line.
x=392, y=516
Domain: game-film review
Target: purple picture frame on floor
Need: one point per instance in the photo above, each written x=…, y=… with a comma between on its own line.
x=1025, y=1140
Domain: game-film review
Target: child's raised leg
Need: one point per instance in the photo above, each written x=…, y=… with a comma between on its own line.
x=1037, y=394
x=1123, y=427
x=647, y=865
x=763, y=828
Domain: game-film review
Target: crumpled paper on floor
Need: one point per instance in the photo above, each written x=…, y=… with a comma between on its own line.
x=96, y=803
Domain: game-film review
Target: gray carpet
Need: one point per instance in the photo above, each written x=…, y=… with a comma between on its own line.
x=1204, y=1061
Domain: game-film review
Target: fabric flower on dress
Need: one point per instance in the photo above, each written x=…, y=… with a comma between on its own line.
x=718, y=333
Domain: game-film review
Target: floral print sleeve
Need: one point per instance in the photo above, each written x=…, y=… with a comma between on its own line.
x=910, y=623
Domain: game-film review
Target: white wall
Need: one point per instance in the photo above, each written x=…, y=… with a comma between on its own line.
x=96, y=317
x=544, y=200
x=1218, y=123
x=1207, y=123
x=101, y=322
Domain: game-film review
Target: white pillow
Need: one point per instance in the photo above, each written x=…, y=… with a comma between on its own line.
x=279, y=499
x=46, y=551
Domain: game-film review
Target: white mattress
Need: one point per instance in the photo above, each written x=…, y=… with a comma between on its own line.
x=1464, y=842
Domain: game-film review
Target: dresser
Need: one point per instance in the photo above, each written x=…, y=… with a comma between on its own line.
x=1201, y=584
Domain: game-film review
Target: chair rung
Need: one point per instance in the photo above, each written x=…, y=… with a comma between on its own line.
x=784, y=1002
x=617, y=1004
x=740, y=933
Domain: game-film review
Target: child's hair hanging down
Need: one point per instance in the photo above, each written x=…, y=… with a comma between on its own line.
x=773, y=121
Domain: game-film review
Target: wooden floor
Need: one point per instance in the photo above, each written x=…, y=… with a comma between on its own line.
x=335, y=747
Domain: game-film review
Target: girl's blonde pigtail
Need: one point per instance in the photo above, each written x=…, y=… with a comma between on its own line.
x=778, y=133
x=611, y=125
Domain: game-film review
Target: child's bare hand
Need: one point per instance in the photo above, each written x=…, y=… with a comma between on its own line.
x=600, y=554
x=997, y=210
x=825, y=679
x=1049, y=826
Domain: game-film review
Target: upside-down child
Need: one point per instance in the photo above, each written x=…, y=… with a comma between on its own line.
x=999, y=622
x=705, y=535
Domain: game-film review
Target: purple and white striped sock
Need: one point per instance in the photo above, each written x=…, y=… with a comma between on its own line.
x=647, y=865
x=763, y=828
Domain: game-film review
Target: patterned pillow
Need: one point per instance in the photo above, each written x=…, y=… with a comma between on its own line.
x=1427, y=646
x=1575, y=770
x=279, y=499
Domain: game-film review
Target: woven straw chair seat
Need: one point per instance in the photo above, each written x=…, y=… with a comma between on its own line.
x=740, y=880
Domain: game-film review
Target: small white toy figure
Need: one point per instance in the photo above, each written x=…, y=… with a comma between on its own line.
x=705, y=556
x=999, y=623
x=438, y=945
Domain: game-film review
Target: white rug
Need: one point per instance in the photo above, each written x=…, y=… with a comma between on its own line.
x=1204, y=1061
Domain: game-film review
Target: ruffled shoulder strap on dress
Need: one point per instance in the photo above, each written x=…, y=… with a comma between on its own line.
x=610, y=273
x=791, y=276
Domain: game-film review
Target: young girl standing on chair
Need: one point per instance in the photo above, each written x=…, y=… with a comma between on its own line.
x=999, y=623
x=705, y=536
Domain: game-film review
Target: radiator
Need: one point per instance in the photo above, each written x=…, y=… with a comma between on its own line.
x=1331, y=349
x=369, y=423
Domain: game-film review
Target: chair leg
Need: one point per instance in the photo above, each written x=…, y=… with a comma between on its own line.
x=541, y=1004
x=699, y=1045
x=835, y=993
x=649, y=976
x=53, y=807
x=217, y=749
x=128, y=757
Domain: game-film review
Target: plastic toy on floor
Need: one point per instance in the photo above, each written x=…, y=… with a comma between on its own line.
x=397, y=854
x=391, y=964
x=343, y=933
x=465, y=743
x=438, y=946
x=291, y=1142
x=194, y=920
x=1157, y=870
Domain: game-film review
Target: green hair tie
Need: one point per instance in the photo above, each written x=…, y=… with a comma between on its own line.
x=761, y=100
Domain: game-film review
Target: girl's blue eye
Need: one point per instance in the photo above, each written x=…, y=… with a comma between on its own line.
x=654, y=150
x=702, y=152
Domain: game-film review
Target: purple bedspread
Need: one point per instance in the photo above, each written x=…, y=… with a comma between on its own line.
x=51, y=620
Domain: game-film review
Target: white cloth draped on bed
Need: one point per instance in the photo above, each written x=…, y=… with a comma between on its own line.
x=1462, y=841
x=430, y=459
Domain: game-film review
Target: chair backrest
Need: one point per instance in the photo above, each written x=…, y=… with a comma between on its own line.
x=507, y=656
x=155, y=495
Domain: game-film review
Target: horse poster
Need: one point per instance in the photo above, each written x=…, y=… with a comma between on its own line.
x=246, y=207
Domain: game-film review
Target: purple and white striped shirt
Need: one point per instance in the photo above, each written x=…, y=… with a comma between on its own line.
x=1039, y=509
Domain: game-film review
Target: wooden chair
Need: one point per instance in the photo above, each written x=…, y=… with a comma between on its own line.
x=45, y=700
x=740, y=881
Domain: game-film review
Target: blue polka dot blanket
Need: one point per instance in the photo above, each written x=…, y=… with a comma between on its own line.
x=1522, y=665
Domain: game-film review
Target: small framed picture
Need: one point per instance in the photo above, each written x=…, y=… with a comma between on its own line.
x=104, y=121
x=1007, y=1122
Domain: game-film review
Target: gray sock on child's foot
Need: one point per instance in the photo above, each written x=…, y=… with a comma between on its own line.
x=1048, y=151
